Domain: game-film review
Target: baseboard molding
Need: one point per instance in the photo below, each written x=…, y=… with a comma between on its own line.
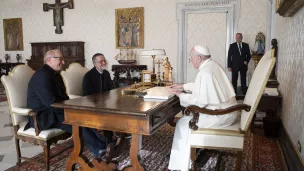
x=292, y=156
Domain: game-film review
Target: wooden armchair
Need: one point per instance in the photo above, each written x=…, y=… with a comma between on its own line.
x=231, y=137
x=72, y=78
x=16, y=85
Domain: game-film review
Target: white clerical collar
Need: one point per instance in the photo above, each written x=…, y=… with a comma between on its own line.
x=100, y=72
x=204, y=63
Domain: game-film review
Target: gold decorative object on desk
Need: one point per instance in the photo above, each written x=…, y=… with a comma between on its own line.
x=135, y=89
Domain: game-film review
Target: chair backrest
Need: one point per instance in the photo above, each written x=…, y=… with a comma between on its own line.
x=72, y=78
x=256, y=87
x=16, y=85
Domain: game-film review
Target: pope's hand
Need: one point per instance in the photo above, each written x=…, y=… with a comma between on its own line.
x=177, y=86
x=175, y=91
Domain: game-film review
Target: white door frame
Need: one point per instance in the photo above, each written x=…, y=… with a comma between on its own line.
x=232, y=7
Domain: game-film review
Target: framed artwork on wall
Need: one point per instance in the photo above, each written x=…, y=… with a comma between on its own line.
x=129, y=27
x=13, y=35
x=287, y=8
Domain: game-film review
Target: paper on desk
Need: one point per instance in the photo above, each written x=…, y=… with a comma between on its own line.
x=158, y=93
x=271, y=91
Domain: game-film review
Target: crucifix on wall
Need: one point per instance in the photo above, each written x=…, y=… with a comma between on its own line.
x=58, y=12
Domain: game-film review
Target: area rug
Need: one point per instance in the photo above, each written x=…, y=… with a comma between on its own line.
x=260, y=153
x=2, y=93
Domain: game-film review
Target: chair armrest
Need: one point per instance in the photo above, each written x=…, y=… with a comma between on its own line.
x=36, y=126
x=21, y=111
x=195, y=110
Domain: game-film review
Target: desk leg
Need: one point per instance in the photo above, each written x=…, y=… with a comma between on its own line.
x=77, y=157
x=78, y=147
x=133, y=154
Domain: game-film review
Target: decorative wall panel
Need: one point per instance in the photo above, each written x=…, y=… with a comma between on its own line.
x=290, y=71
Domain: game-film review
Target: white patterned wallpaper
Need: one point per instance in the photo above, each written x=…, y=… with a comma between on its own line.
x=93, y=21
x=290, y=71
x=252, y=19
x=207, y=29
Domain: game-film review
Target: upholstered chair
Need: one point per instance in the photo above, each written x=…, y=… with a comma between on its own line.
x=72, y=78
x=231, y=137
x=16, y=85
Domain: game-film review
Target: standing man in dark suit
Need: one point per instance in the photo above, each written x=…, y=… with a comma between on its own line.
x=238, y=59
x=45, y=88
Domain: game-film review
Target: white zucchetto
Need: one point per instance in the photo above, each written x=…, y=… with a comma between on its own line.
x=202, y=49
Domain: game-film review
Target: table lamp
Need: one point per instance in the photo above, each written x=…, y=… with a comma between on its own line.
x=153, y=53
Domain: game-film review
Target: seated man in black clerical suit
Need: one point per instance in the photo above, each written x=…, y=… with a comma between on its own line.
x=98, y=80
x=46, y=87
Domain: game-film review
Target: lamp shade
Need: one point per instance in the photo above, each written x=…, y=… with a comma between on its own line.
x=153, y=52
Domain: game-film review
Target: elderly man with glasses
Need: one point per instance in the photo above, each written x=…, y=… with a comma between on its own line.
x=46, y=87
x=212, y=90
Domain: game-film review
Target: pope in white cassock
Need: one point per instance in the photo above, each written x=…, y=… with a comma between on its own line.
x=212, y=90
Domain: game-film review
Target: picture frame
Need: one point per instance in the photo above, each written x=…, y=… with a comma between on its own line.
x=129, y=27
x=146, y=77
x=287, y=8
x=13, y=35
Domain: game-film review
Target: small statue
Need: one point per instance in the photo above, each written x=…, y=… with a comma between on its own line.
x=170, y=75
x=274, y=44
x=167, y=67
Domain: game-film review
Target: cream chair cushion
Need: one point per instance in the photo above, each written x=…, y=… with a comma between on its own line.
x=256, y=87
x=43, y=135
x=72, y=78
x=16, y=85
x=228, y=137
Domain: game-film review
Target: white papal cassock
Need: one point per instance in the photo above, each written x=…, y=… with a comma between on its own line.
x=213, y=90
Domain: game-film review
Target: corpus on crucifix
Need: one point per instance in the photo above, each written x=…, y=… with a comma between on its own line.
x=58, y=12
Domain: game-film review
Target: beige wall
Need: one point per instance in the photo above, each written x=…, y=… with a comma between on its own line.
x=290, y=71
x=93, y=21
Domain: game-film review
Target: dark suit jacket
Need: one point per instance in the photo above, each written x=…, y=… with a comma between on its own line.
x=94, y=82
x=46, y=87
x=235, y=60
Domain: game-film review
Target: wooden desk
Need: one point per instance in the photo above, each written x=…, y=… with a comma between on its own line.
x=116, y=112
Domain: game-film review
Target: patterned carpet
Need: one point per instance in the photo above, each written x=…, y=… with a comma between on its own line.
x=261, y=153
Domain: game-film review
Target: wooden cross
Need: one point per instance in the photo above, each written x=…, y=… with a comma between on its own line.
x=58, y=12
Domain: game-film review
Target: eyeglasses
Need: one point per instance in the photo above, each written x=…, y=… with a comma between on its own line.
x=59, y=58
x=102, y=61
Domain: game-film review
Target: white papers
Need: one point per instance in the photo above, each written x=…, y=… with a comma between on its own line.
x=271, y=91
x=158, y=93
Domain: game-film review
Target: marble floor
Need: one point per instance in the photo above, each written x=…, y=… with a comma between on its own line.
x=8, y=155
